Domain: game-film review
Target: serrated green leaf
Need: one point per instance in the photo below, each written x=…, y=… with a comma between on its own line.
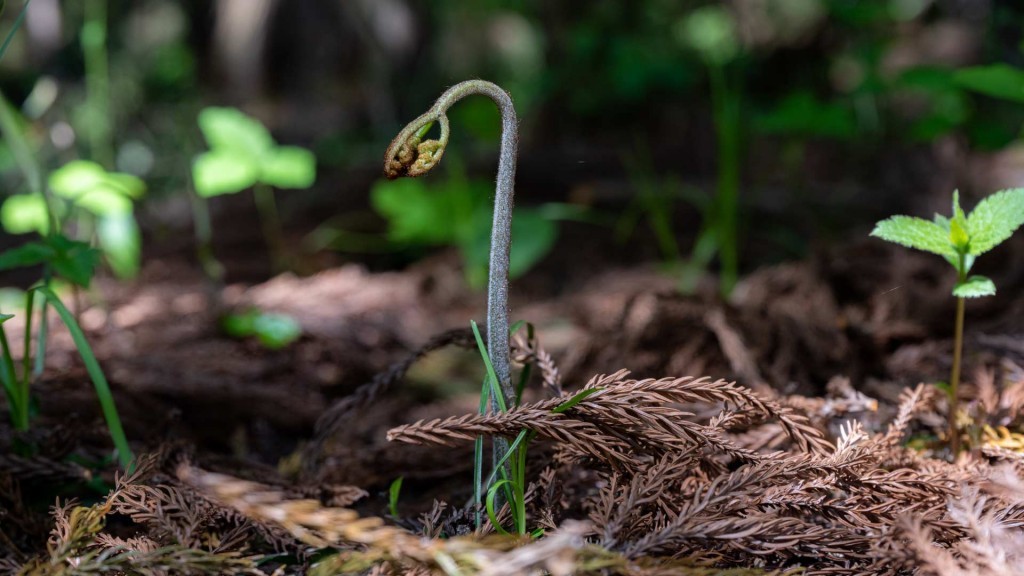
x=958, y=234
x=219, y=172
x=288, y=167
x=974, y=287
x=916, y=233
x=995, y=219
x=996, y=80
x=229, y=129
x=24, y=213
x=121, y=241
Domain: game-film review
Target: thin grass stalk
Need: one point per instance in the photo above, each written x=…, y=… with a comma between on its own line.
x=99, y=381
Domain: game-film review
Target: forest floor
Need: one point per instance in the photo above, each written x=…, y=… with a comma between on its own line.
x=826, y=454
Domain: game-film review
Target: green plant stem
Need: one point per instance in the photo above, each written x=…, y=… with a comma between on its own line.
x=212, y=268
x=99, y=381
x=726, y=101
x=18, y=21
x=501, y=230
x=270, y=220
x=11, y=385
x=97, y=81
x=954, y=377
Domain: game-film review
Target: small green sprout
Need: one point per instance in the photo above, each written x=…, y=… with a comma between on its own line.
x=960, y=239
x=98, y=201
x=393, y=492
x=244, y=155
x=272, y=331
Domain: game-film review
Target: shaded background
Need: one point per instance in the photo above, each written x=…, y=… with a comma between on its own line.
x=848, y=112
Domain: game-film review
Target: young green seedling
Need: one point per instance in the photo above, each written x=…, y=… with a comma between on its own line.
x=244, y=155
x=410, y=155
x=960, y=239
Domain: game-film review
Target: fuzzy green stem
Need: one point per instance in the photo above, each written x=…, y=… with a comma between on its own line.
x=501, y=232
x=402, y=160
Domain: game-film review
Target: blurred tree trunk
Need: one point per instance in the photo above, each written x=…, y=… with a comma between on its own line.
x=239, y=38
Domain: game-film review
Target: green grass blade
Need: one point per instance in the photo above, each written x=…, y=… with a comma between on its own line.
x=523, y=436
x=106, y=399
x=10, y=381
x=492, y=376
x=478, y=459
x=579, y=397
x=491, y=495
x=14, y=29
x=393, y=492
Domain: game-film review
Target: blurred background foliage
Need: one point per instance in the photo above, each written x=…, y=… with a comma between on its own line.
x=838, y=112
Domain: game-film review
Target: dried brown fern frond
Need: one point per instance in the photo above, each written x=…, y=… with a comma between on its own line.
x=318, y=525
x=912, y=402
x=527, y=350
x=75, y=548
x=622, y=419
x=41, y=468
x=993, y=547
x=582, y=437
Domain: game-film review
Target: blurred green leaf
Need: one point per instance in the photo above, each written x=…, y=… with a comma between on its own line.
x=996, y=80
x=710, y=31
x=93, y=188
x=533, y=236
x=416, y=214
x=102, y=201
x=76, y=178
x=127, y=184
x=121, y=242
x=220, y=172
x=229, y=129
x=24, y=213
x=802, y=114
x=74, y=261
x=28, y=254
x=288, y=167
x=273, y=331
